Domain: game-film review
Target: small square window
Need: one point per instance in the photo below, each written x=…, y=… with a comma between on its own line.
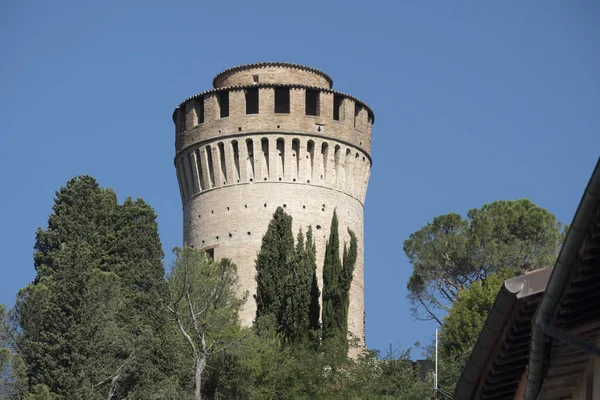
x=210, y=253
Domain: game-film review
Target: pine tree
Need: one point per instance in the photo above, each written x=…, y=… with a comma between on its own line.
x=92, y=319
x=337, y=278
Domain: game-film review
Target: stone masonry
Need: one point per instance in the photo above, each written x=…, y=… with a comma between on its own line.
x=270, y=135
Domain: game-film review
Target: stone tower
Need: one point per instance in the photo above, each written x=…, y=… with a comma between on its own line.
x=268, y=135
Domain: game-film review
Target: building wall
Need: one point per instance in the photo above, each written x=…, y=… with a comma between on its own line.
x=588, y=385
x=234, y=171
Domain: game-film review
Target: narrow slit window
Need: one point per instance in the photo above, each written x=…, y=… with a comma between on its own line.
x=224, y=104
x=211, y=170
x=264, y=146
x=310, y=148
x=221, y=148
x=250, y=165
x=338, y=111
x=312, y=102
x=282, y=100
x=236, y=159
x=252, y=101
x=324, y=157
x=200, y=169
x=296, y=156
x=280, y=158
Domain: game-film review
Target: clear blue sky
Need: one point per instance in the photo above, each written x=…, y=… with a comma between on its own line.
x=474, y=102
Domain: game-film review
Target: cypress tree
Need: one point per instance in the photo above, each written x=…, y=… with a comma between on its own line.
x=273, y=263
x=348, y=263
x=95, y=308
x=332, y=296
x=314, y=308
x=337, y=278
x=287, y=290
x=297, y=295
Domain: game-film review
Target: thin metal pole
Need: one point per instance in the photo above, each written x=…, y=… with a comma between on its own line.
x=436, y=361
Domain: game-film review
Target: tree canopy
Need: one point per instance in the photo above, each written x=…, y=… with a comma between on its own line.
x=92, y=322
x=450, y=253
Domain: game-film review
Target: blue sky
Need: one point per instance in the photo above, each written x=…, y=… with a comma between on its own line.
x=474, y=102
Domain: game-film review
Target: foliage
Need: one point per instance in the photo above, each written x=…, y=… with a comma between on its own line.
x=274, y=259
x=337, y=278
x=266, y=368
x=13, y=382
x=302, y=294
x=287, y=289
x=450, y=253
x=91, y=322
x=314, y=310
x=40, y=392
x=203, y=302
x=469, y=311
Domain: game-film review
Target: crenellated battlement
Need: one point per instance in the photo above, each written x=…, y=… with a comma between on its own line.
x=269, y=135
x=273, y=107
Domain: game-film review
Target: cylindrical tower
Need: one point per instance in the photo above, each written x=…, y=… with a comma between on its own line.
x=268, y=135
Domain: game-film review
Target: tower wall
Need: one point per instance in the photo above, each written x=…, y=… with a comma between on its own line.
x=235, y=168
x=272, y=73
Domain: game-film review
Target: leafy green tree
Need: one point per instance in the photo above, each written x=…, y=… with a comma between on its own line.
x=266, y=368
x=468, y=313
x=91, y=322
x=13, y=381
x=396, y=376
x=450, y=253
x=337, y=278
x=40, y=392
x=204, y=306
